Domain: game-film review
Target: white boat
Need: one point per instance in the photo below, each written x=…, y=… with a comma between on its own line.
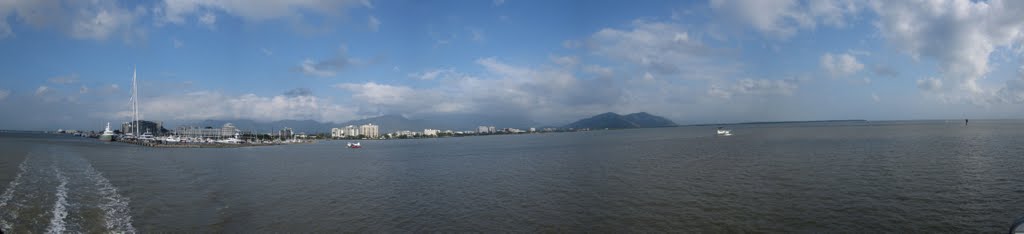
x=172, y=139
x=107, y=135
x=354, y=145
x=723, y=132
x=231, y=140
x=146, y=136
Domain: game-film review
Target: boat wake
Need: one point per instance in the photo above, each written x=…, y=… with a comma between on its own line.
x=62, y=193
x=59, y=211
x=8, y=194
x=116, y=211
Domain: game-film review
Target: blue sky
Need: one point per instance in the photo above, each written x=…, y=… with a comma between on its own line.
x=69, y=63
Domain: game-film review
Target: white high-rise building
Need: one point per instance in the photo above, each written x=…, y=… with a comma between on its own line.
x=486, y=129
x=337, y=133
x=370, y=130
x=351, y=131
x=430, y=132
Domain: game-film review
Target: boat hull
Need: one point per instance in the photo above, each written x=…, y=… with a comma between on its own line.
x=106, y=137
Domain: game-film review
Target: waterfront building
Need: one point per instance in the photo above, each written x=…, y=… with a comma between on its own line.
x=154, y=128
x=533, y=129
x=405, y=133
x=227, y=130
x=286, y=133
x=491, y=129
x=369, y=130
x=430, y=132
x=337, y=132
x=351, y=131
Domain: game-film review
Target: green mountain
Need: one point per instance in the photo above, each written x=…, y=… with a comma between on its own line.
x=614, y=120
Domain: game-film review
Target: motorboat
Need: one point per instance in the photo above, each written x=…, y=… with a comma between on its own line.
x=172, y=139
x=354, y=145
x=146, y=136
x=231, y=140
x=723, y=132
x=107, y=135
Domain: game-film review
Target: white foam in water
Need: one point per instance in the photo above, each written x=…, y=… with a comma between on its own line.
x=115, y=207
x=9, y=194
x=59, y=207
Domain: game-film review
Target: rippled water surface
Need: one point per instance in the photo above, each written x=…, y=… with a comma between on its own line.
x=930, y=176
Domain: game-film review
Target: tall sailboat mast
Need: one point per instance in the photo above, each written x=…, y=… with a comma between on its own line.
x=135, y=103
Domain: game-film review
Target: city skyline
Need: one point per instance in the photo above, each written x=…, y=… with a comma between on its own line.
x=68, y=63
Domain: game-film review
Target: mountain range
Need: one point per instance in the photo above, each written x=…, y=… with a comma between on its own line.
x=615, y=121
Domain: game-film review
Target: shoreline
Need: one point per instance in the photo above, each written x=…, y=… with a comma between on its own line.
x=202, y=145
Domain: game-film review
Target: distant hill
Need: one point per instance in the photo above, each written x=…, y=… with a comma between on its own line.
x=614, y=120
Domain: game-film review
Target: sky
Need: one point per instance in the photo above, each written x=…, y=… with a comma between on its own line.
x=69, y=64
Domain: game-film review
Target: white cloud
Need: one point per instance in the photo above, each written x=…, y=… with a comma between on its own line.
x=545, y=94
x=112, y=88
x=565, y=60
x=266, y=51
x=960, y=35
x=93, y=20
x=65, y=80
x=499, y=2
x=373, y=23
x=4, y=93
x=476, y=34
x=328, y=67
x=648, y=76
x=783, y=18
x=571, y=44
x=208, y=19
x=177, y=43
x=203, y=105
x=443, y=73
x=659, y=47
x=1012, y=91
x=320, y=69
x=929, y=84
x=875, y=97
x=771, y=87
x=43, y=91
x=755, y=87
x=841, y=64
x=597, y=70
x=5, y=29
x=100, y=24
x=174, y=11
